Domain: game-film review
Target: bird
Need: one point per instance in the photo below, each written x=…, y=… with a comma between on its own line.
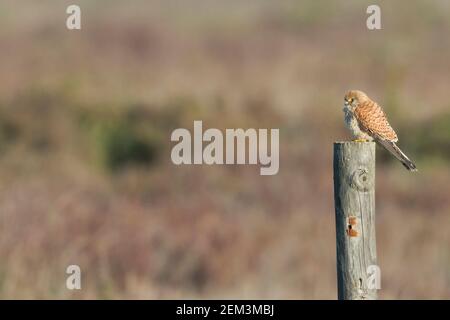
x=367, y=121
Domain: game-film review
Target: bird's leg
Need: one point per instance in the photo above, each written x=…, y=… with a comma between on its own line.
x=360, y=140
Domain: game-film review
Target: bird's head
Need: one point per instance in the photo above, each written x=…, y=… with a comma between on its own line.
x=353, y=98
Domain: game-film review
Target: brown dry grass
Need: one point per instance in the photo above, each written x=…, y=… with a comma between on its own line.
x=161, y=231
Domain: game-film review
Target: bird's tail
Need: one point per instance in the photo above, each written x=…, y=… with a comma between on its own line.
x=392, y=148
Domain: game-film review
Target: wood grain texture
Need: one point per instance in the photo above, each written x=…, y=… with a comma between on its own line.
x=354, y=196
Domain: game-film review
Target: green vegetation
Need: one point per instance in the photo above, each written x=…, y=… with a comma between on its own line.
x=119, y=145
x=432, y=138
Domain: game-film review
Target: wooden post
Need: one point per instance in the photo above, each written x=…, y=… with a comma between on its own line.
x=354, y=198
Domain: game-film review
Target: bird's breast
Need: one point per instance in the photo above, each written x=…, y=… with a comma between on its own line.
x=351, y=123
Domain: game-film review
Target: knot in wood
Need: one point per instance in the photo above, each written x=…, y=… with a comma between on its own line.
x=361, y=180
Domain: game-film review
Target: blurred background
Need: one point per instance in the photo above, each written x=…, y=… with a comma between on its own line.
x=85, y=123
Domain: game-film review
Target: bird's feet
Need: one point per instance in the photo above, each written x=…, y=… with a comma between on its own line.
x=360, y=140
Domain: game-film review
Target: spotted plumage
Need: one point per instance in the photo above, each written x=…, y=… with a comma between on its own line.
x=367, y=121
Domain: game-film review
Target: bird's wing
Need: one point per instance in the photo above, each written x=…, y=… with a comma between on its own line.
x=372, y=119
x=395, y=150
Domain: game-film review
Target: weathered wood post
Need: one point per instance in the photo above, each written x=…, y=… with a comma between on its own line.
x=354, y=198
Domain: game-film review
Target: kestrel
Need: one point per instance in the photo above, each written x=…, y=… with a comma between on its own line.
x=367, y=122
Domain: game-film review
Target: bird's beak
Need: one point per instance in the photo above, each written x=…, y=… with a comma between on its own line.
x=346, y=103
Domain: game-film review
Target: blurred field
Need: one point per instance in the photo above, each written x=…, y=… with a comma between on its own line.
x=85, y=123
